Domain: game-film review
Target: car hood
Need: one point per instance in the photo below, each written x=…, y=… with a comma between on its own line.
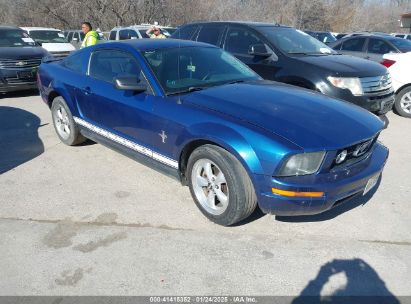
x=58, y=47
x=345, y=66
x=22, y=52
x=308, y=119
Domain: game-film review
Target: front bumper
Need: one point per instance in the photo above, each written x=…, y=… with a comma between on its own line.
x=10, y=81
x=378, y=103
x=337, y=185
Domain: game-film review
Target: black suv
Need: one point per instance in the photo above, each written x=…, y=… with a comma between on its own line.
x=288, y=55
x=20, y=57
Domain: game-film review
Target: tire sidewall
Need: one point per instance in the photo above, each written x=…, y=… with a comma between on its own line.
x=59, y=101
x=236, y=191
x=397, y=104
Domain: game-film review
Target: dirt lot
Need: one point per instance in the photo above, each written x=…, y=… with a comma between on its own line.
x=88, y=221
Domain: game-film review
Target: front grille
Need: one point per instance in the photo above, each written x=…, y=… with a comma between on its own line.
x=376, y=85
x=356, y=153
x=18, y=81
x=19, y=64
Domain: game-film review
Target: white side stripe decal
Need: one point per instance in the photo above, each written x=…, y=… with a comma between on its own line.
x=125, y=142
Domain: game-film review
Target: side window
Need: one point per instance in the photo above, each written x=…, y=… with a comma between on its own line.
x=210, y=34
x=123, y=35
x=143, y=34
x=112, y=35
x=337, y=47
x=378, y=46
x=185, y=32
x=133, y=34
x=70, y=36
x=107, y=64
x=353, y=45
x=74, y=62
x=239, y=40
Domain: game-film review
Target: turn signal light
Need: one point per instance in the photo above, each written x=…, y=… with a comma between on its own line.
x=297, y=194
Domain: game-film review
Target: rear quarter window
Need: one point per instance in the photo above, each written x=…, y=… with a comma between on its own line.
x=210, y=34
x=113, y=35
x=185, y=32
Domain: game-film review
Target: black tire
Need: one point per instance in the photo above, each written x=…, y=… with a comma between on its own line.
x=74, y=137
x=242, y=199
x=397, y=104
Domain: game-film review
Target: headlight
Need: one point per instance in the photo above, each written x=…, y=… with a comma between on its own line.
x=352, y=84
x=302, y=164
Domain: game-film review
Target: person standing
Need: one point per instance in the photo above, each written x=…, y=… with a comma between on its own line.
x=154, y=32
x=91, y=37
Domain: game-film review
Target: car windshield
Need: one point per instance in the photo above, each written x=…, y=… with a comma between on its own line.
x=15, y=38
x=192, y=68
x=292, y=41
x=403, y=45
x=48, y=36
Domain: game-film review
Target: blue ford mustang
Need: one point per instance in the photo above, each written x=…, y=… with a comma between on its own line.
x=198, y=114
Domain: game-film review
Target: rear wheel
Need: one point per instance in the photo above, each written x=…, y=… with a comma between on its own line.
x=64, y=124
x=403, y=102
x=220, y=185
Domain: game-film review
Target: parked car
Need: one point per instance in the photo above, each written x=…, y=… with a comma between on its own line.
x=51, y=39
x=75, y=37
x=354, y=34
x=20, y=57
x=340, y=35
x=288, y=55
x=403, y=36
x=372, y=47
x=399, y=67
x=129, y=32
x=195, y=112
x=324, y=37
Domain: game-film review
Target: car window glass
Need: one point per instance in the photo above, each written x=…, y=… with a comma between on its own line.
x=123, y=35
x=108, y=64
x=132, y=34
x=378, y=46
x=353, y=45
x=337, y=46
x=70, y=36
x=178, y=69
x=74, y=62
x=238, y=40
x=82, y=36
x=210, y=34
x=185, y=32
x=112, y=35
x=143, y=34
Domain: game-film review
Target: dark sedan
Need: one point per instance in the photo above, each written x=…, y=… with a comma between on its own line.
x=20, y=57
x=372, y=47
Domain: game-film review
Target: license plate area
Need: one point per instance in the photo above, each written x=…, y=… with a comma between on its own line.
x=371, y=183
x=25, y=75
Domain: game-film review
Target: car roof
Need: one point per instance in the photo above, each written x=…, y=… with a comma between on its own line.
x=247, y=23
x=40, y=29
x=9, y=27
x=152, y=44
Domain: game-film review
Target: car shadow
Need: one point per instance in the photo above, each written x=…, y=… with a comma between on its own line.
x=354, y=202
x=362, y=284
x=19, y=140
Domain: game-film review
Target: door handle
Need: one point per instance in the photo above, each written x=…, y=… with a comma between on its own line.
x=86, y=90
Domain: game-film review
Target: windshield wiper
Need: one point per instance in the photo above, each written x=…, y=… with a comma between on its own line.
x=235, y=81
x=189, y=90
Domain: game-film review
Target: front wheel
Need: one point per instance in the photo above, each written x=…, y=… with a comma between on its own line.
x=64, y=124
x=403, y=102
x=220, y=186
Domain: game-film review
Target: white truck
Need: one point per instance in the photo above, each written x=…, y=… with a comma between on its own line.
x=51, y=39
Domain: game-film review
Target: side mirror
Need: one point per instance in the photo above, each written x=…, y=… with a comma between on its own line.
x=259, y=50
x=129, y=84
